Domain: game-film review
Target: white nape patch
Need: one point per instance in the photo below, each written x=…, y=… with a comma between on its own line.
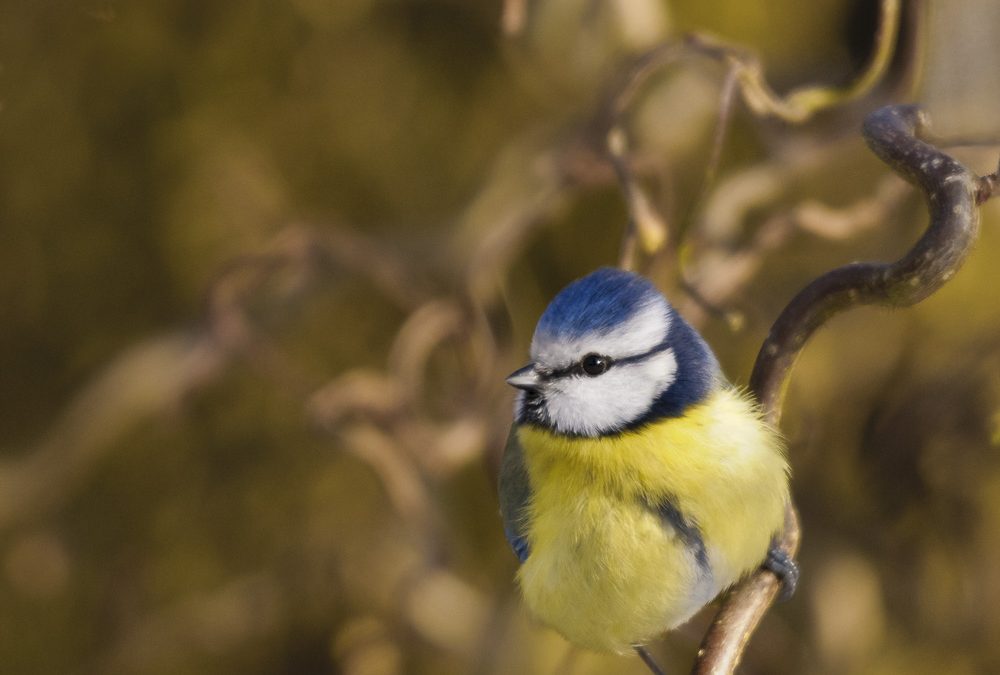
x=590, y=406
x=644, y=330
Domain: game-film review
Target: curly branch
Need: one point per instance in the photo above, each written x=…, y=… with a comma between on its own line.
x=893, y=133
x=952, y=192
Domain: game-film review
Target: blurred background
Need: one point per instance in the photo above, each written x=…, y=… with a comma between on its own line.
x=265, y=265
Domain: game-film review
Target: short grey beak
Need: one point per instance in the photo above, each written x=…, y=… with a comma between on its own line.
x=525, y=378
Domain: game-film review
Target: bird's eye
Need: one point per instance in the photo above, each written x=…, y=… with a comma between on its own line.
x=594, y=364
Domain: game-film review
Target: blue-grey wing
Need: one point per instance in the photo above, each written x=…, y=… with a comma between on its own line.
x=515, y=495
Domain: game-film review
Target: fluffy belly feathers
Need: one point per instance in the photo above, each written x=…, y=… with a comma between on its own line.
x=614, y=578
x=606, y=569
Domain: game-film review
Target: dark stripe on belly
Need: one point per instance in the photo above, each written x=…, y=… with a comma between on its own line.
x=687, y=530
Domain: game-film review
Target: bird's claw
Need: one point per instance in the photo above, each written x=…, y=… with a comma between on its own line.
x=782, y=566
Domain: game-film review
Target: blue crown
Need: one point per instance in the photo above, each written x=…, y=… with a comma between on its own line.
x=596, y=303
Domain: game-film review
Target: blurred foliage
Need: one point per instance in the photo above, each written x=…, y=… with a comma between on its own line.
x=265, y=265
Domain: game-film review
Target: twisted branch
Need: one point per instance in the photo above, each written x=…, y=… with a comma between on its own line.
x=952, y=193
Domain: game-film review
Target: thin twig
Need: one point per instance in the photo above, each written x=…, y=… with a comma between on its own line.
x=893, y=133
x=727, y=96
x=647, y=231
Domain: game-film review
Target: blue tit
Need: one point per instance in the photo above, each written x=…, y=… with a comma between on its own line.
x=637, y=483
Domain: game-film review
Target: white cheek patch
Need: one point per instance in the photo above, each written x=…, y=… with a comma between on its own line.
x=645, y=329
x=590, y=406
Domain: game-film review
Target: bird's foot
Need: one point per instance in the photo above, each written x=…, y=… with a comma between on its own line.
x=782, y=566
x=647, y=658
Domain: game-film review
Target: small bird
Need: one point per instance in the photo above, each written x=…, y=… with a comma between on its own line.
x=637, y=483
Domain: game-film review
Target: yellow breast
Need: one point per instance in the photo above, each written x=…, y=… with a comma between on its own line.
x=605, y=569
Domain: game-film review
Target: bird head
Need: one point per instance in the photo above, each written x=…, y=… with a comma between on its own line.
x=610, y=354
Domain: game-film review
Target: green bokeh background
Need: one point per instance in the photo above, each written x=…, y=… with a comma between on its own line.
x=178, y=493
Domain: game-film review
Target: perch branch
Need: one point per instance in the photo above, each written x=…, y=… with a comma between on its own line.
x=952, y=193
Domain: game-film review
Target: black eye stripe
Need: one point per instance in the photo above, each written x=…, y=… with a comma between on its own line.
x=577, y=368
x=635, y=358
